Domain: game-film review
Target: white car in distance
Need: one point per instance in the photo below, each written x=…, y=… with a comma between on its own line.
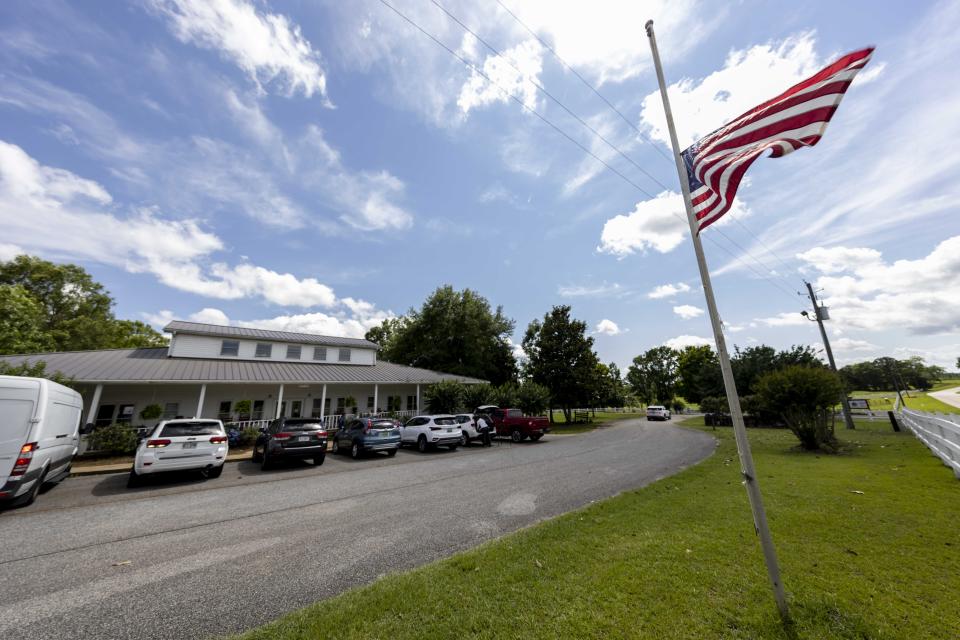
x=181, y=445
x=468, y=428
x=657, y=412
x=429, y=432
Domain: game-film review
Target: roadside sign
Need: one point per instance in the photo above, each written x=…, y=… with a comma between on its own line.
x=858, y=403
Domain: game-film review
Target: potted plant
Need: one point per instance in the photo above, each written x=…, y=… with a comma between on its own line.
x=242, y=409
x=350, y=401
x=151, y=412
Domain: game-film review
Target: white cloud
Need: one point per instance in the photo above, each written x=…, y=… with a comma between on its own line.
x=9, y=251
x=747, y=78
x=785, y=319
x=589, y=291
x=55, y=212
x=608, y=327
x=514, y=73
x=850, y=344
x=657, y=224
x=267, y=46
x=688, y=311
x=668, y=290
x=687, y=341
x=866, y=292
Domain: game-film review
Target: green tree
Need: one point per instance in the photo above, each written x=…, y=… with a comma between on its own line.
x=21, y=319
x=506, y=395
x=560, y=356
x=37, y=369
x=653, y=375
x=804, y=397
x=477, y=395
x=532, y=398
x=698, y=374
x=751, y=363
x=75, y=312
x=444, y=397
x=609, y=389
x=454, y=331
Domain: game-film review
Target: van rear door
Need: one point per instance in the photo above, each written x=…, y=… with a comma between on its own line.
x=17, y=408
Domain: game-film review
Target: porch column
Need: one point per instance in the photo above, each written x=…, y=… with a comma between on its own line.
x=418, y=399
x=203, y=395
x=376, y=393
x=279, y=401
x=323, y=400
x=94, y=404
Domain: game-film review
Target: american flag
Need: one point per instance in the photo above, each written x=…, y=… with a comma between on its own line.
x=796, y=118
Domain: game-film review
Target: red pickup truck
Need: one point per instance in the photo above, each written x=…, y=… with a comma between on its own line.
x=512, y=422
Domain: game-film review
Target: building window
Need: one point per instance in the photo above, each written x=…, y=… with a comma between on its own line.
x=326, y=406
x=344, y=355
x=264, y=350
x=223, y=413
x=341, y=405
x=105, y=415
x=315, y=412
x=125, y=414
x=393, y=403
x=257, y=410
x=171, y=410
x=230, y=348
x=319, y=353
x=293, y=352
x=369, y=403
x=412, y=403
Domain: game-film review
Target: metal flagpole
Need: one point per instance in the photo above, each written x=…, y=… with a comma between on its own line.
x=739, y=430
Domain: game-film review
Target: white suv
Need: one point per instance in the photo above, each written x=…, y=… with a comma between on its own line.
x=178, y=445
x=428, y=432
x=657, y=412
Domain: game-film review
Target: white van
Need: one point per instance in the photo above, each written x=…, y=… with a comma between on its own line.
x=39, y=435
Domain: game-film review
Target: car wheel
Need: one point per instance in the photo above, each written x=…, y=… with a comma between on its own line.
x=134, y=480
x=464, y=439
x=265, y=461
x=215, y=472
x=392, y=452
x=318, y=460
x=355, y=450
x=422, y=444
x=336, y=446
x=516, y=435
x=256, y=456
x=28, y=498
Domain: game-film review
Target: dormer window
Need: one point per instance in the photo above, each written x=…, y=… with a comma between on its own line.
x=293, y=352
x=344, y=355
x=319, y=353
x=230, y=348
x=264, y=350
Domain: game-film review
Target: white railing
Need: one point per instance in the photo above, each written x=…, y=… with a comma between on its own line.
x=940, y=432
x=240, y=425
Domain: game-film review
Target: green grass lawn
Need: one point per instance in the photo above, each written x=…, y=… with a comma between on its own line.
x=884, y=401
x=560, y=426
x=946, y=383
x=679, y=559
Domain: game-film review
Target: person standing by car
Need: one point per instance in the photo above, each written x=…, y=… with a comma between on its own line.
x=484, y=427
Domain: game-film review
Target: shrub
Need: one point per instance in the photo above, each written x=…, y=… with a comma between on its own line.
x=242, y=408
x=248, y=435
x=804, y=397
x=350, y=402
x=444, y=397
x=115, y=438
x=532, y=398
x=506, y=395
x=713, y=404
x=677, y=405
x=476, y=395
x=151, y=412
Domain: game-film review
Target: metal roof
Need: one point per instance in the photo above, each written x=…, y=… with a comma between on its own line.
x=201, y=329
x=154, y=365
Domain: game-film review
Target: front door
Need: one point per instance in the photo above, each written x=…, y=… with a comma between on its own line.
x=291, y=409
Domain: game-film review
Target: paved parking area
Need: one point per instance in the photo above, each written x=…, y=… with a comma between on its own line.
x=188, y=558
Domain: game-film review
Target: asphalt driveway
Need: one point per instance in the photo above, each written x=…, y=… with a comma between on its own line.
x=187, y=558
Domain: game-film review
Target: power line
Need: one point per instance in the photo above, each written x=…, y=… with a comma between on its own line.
x=584, y=81
x=583, y=148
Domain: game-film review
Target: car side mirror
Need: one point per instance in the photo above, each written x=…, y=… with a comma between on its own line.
x=86, y=429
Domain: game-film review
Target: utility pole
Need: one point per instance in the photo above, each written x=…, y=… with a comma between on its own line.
x=817, y=310
x=739, y=429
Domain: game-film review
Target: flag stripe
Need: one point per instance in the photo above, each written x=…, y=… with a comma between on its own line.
x=794, y=119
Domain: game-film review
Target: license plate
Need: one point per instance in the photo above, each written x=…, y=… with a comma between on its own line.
x=303, y=438
x=189, y=445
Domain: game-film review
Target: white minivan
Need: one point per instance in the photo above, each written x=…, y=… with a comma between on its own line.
x=39, y=435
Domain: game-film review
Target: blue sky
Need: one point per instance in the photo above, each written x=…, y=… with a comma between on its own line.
x=319, y=166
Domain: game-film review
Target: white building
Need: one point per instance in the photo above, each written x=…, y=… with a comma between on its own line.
x=207, y=369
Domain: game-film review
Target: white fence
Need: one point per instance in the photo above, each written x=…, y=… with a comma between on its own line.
x=940, y=432
x=329, y=422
